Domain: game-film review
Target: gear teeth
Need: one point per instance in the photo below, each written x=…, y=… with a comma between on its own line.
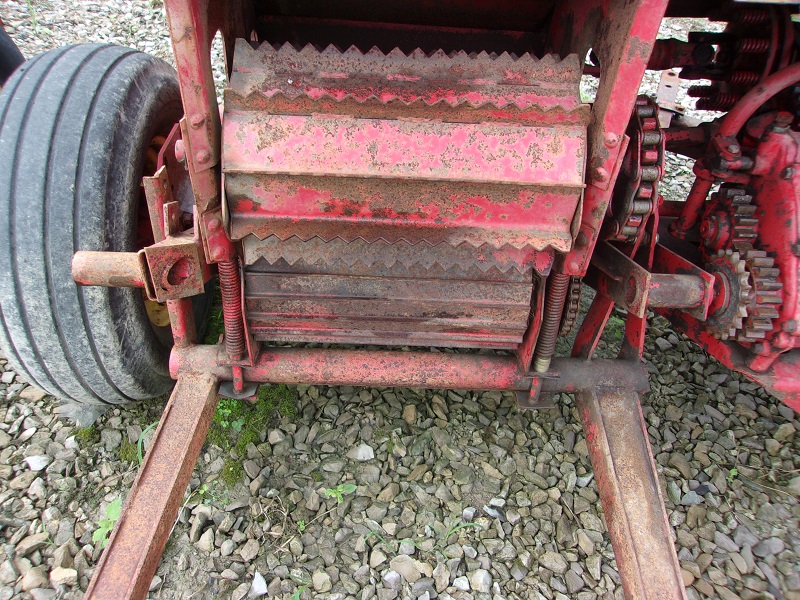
x=740, y=211
x=765, y=297
x=482, y=80
x=317, y=251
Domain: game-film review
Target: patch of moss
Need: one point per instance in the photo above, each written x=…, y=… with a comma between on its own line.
x=236, y=423
x=316, y=476
x=280, y=398
x=232, y=472
x=128, y=451
x=87, y=435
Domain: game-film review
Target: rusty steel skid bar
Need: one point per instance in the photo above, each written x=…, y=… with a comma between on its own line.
x=129, y=562
x=619, y=449
x=432, y=370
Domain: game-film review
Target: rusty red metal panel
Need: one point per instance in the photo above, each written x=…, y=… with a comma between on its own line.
x=400, y=259
x=373, y=209
x=440, y=148
x=129, y=562
x=334, y=146
x=456, y=87
x=391, y=311
x=619, y=449
x=383, y=293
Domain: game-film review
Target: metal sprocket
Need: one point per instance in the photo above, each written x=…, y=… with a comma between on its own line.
x=635, y=195
x=748, y=281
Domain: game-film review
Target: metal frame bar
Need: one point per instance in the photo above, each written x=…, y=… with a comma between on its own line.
x=388, y=368
x=129, y=562
x=622, y=459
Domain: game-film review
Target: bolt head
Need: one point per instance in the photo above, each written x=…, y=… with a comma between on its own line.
x=610, y=140
x=214, y=224
x=601, y=174
x=218, y=254
x=196, y=121
x=574, y=266
x=734, y=148
x=203, y=156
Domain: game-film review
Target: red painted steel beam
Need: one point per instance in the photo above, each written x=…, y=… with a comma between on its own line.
x=129, y=562
x=386, y=368
x=620, y=452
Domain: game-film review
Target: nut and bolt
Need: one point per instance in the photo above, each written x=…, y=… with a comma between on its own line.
x=601, y=175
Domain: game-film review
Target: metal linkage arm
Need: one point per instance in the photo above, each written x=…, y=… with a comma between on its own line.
x=129, y=562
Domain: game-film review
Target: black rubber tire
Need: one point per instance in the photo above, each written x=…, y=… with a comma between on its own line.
x=10, y=56
x=74, y=127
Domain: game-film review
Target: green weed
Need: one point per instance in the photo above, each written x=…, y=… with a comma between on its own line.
x=339, y=491
x=105, y=526
x=438, y=547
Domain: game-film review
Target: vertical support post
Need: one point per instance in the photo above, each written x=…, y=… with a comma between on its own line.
x=629, y=491
x=130, y=560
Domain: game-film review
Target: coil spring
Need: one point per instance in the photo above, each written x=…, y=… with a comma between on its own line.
x=750, y=16
x=702, y=91
x=745, y=78
x=558, y=284
x=718, y=102
x=753, y=46
x=231, y=291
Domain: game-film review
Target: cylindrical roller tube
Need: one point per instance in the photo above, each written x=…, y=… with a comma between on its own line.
x=109, y=269
x=392, y=368
x=675, y=291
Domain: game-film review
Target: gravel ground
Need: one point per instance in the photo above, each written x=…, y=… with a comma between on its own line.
x=421, y=462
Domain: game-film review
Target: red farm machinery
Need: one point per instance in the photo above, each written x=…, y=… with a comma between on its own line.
x=402, y=174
